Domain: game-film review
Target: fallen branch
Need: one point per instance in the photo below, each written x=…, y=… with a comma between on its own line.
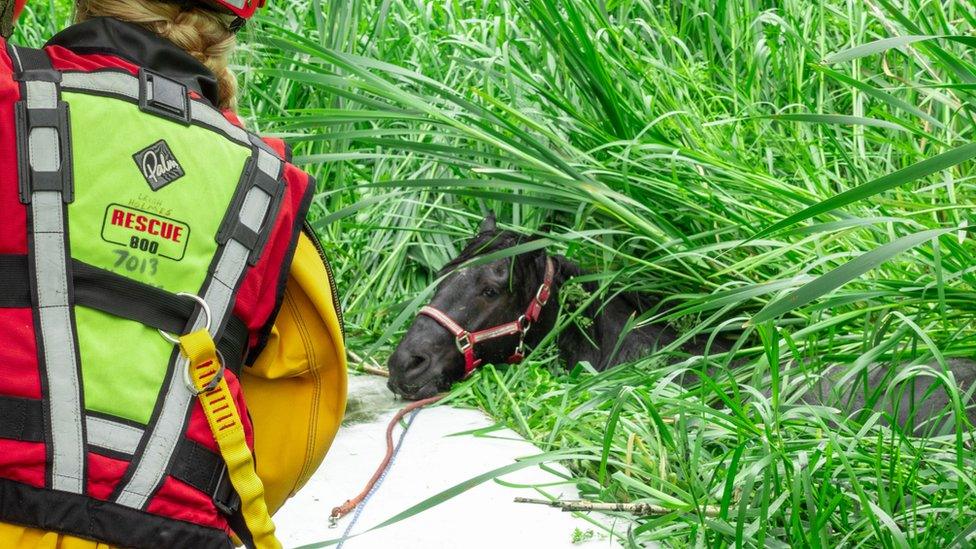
x=359, y=363
x=375, y=371
x=638, y=509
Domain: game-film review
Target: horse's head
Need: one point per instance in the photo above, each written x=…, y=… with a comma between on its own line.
x=497, y=294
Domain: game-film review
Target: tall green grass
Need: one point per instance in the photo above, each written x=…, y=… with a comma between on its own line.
x=792, y=177
x=780, y=174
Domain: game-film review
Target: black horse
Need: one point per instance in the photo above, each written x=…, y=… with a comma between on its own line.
x=430, y=358
x=436, y=350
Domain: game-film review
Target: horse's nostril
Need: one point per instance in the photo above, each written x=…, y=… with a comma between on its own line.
x=416, y=361
x=409, y=365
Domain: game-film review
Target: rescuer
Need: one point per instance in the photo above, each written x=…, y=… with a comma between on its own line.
x=171, y=350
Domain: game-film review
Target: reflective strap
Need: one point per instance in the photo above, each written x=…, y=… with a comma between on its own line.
x=127, y=85
x=112, y=435
x=228, y=430
x=195, y=465
x=46, y=163
x=219, y=295
x=150, y=467
x=110, y=82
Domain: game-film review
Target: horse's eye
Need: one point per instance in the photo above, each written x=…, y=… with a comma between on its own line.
x=489, y=292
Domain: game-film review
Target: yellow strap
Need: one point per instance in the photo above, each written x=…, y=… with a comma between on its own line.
x=225, y=423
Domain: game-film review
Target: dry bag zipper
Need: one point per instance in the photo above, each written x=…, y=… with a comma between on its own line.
x=328, y=269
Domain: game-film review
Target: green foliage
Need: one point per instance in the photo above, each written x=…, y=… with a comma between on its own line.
x=40, y=21
x=783, y=178
x=791, y=177
x=580, y=536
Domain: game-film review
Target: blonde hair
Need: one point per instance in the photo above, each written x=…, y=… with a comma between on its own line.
x=203, y=33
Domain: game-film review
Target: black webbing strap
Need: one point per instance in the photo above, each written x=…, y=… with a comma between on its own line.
x=125, y=298
x=120, y=296
x=15, y=288
x=204, y=470
x=21, y=419
x=32, y=61
x=239, y=526
x=233, y=344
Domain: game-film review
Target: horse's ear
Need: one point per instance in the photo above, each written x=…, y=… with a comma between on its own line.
x=489, y=225
x=566, y=269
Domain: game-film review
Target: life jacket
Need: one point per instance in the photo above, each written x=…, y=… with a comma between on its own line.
x=127, y=202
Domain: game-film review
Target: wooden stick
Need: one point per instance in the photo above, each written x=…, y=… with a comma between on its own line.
x=375, y=371
x=638, y=509
x=360, y=363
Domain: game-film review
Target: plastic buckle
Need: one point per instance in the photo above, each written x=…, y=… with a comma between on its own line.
x=30, y=180
x=225, y=498
x=164, y=97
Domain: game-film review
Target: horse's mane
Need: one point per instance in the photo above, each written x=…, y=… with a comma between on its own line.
x=484, y=243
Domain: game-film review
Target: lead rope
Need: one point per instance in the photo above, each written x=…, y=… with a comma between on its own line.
x=352, y=504
x=206, y=374
x=359, y=508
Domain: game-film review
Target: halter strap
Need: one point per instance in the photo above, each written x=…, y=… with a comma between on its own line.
x=466, y=341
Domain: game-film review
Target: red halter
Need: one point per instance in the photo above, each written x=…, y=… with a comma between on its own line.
x=466, y=340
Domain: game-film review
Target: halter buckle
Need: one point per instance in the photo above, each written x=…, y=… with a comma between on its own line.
x=542, y=294
x=463, y=342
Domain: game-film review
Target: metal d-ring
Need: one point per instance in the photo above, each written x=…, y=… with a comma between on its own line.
x=212, y=384
x=206, y=312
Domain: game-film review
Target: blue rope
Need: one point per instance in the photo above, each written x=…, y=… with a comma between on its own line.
x=361, y=506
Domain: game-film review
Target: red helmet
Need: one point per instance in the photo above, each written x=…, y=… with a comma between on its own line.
x=242, y=8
